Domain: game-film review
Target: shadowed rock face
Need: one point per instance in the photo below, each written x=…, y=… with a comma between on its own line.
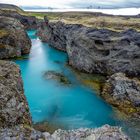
x=14, y=41
x=54, y=34
x=13, y=106
x=124, y=93
x=95, y=50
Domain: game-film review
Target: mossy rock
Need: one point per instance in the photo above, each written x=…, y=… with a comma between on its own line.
x=3, y=32
x=46, y=127
x=52, y=75
x=94, y=81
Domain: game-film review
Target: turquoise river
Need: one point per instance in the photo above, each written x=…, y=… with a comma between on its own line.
x=72, y=106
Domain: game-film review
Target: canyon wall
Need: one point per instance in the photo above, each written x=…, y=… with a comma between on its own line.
x=103, y=52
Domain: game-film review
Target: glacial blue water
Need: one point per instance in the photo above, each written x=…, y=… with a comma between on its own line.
x=71, y=106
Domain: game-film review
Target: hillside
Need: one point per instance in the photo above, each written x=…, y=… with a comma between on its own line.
x=10, y=7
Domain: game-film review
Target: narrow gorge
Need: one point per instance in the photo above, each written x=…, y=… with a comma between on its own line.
x=46, y=70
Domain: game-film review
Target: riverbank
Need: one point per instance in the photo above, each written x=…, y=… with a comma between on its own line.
x=100, y=51
x=16, y=107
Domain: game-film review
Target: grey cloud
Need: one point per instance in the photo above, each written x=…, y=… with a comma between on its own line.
x=107, y=3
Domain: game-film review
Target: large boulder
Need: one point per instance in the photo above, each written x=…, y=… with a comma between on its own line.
x=95, y=50
x=14, y=109
x=14, y=41
x=124, y=93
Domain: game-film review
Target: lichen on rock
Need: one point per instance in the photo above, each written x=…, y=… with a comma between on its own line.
x=123, y=93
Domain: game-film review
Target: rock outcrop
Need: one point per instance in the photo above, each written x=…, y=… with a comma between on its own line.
x=59, y=77
x=14, y=41
x=13, y=105
x=104, y=133
x=123, y=93
x=53, y=34
x=95, y=50
x=29, y=22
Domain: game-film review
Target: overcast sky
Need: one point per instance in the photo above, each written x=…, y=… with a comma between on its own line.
x=74, y=3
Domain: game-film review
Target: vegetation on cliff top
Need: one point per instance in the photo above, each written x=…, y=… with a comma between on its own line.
x=95, y=20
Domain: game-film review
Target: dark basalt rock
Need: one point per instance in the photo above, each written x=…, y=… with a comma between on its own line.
x=14, y=41
x=103, y=51
x=95, y=50
x=53, y=35
x=123, y=93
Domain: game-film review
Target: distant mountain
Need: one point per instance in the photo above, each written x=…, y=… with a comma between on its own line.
x=35, y=7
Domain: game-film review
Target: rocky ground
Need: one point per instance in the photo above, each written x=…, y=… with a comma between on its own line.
x=104, y=52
